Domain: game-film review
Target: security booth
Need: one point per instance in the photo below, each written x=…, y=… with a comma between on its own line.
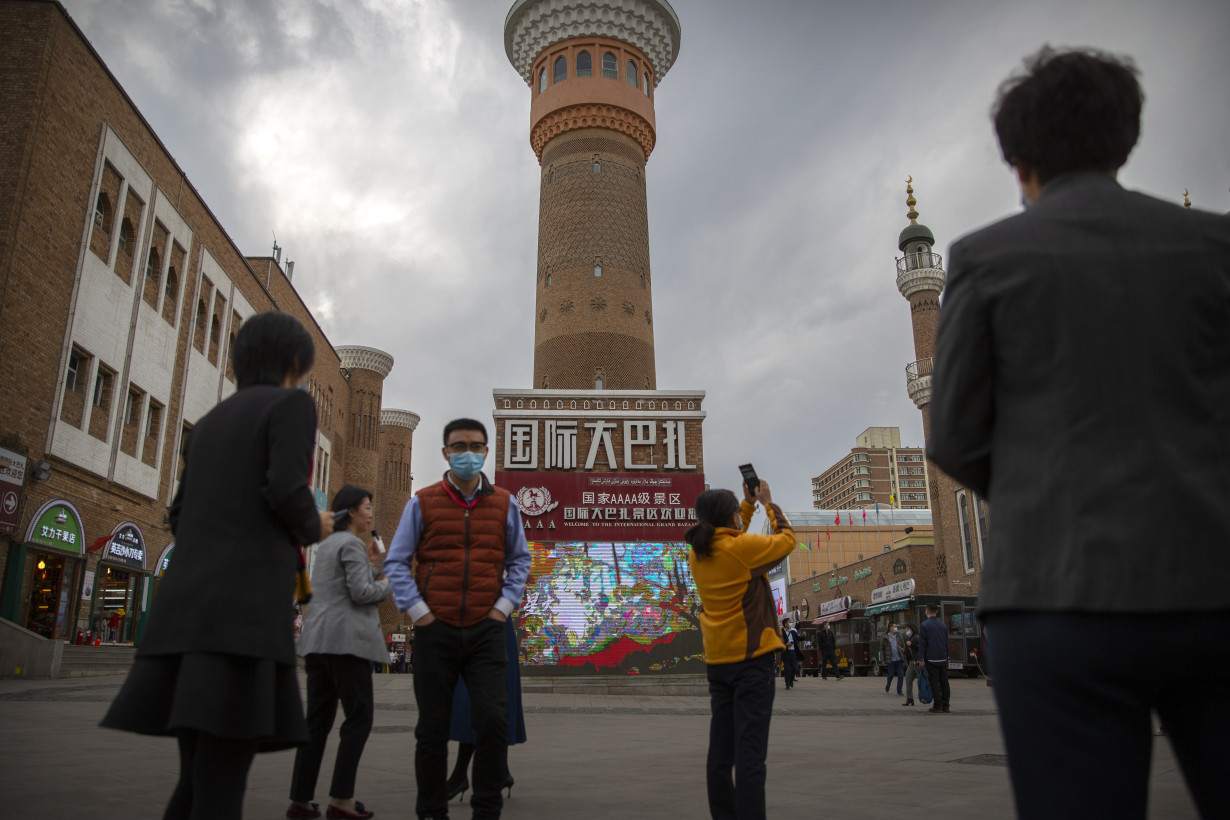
x=50, y=562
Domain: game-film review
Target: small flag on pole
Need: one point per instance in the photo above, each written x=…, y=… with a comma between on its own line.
x=837, y=518
x=877, y=508
x=828, y=536
x=808, y=547
x=864, y=515
x=892, y=499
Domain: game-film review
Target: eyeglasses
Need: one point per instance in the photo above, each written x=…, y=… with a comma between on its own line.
x=461, y=447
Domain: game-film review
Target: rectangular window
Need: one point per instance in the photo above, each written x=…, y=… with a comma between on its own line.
x=967, y=547
x=100, y=416
x=153, y=428
x=134, y=403
x=76, y=377
x=984, y=532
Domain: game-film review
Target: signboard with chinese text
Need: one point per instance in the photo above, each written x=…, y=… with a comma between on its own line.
x=604, y=506
x=12, y=476
x=164, y=560
x=891, y=592
x=834, y=606
x=127, y=547
x=57, y=525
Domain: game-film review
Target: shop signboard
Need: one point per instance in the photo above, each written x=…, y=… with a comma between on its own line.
x=12, y=476
x=126, y=547
x=892, y=592
x=58, y=526
x=778, y=588
x=834, y=606
x=575, y=506
x=164, y=560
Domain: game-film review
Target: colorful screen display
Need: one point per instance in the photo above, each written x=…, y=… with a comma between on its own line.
x=610, y=608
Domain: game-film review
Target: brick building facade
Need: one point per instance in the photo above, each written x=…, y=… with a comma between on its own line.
x=120, y=298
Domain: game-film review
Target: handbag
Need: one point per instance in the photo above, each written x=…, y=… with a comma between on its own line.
x=924, y=686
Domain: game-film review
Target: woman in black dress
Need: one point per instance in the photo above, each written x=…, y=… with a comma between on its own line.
x=216, y=667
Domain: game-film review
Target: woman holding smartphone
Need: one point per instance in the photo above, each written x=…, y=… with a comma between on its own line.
x=738, y=625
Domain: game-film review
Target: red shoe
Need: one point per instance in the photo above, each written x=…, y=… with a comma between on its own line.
x=300, y=813
x=360, y=812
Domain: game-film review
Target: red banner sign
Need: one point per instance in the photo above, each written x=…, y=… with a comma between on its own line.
x=566, y=506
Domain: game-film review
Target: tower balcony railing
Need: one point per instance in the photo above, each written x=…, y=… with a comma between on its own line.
x=919, y=261
x=918, y=381
x=921, y=271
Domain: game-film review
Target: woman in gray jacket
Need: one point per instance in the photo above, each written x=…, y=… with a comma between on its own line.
x=340, y=639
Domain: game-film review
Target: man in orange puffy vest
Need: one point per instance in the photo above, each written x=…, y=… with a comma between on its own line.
x=457, y=565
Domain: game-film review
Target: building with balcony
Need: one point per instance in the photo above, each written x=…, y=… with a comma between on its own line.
x=877, y=470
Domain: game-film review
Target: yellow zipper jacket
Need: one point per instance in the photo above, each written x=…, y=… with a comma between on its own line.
x=738, y=620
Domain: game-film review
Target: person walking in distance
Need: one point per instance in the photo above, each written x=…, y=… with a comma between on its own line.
x=891, y=652
x=1079, y=435
x=469, y=576
x=790, y=659
x=740, y=633
x=933, y=657
x=910, y=655
x=828, y=651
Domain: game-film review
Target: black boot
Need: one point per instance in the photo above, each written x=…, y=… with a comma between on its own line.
x=458, y=782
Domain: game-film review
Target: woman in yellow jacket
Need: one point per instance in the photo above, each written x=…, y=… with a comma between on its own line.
x=738, y=624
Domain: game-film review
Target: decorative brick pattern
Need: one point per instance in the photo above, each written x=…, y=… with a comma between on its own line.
x=592, y=115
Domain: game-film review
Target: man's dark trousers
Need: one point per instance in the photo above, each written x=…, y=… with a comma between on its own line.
x=1065, y=721
x=477, y=654
x=790, y=666
x=741, y=701
x=896, y=668
x=827, y=658
x=937, y=674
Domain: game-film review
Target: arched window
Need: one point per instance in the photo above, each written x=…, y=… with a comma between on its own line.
x=561, y=69
x=610, y=66
x=548, y=280
x=597, y=167
x=585, y=65
x=126, y=236
x=598, y=270
x=646, y=83
x=153, y=274
x=542, y=80
x=102, y=213
x=630, y=72
x=597, y=382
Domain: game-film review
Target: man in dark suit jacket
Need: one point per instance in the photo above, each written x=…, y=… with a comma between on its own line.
x=1082, y=385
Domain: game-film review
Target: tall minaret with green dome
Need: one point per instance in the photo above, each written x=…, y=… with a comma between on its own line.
x=920, y=278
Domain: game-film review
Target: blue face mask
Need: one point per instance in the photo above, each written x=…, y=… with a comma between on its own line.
x=894, y=630
x=466, y=465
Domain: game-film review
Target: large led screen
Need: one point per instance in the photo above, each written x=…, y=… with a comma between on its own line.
x=610, y=609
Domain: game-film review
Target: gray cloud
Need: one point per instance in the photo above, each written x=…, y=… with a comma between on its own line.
x=387, y=145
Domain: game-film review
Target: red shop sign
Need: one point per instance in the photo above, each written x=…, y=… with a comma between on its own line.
x=559, y=506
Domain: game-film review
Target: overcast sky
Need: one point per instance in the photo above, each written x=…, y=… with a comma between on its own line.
x=386, y=144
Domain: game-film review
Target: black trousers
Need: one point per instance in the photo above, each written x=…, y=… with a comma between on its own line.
x=476, y=653
x=213, y=774
x=333, y=678
x=790, y=667
x=1075, y=703
x=826, y=658
x=937, y=676
x=741, y=701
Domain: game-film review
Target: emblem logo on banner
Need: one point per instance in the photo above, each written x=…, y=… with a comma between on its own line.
x=535, y=500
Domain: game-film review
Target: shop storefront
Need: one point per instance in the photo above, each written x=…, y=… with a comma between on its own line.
x=120, y=586
x=52, y=569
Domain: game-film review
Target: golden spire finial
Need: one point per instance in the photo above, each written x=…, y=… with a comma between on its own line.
x=910, y=200
x=1187, y=203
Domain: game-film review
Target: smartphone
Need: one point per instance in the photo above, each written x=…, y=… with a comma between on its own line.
x=379, y=543
x=749, y=477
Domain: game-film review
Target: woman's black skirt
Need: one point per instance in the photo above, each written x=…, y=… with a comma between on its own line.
x=223, y=695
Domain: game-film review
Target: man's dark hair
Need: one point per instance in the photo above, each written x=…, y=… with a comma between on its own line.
x=464, y=424
x=932, y=609
x=348, y=498
x=1074, y=110
x=714, y=509
x=269, y=347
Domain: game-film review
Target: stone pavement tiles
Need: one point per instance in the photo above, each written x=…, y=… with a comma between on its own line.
x=842, y=749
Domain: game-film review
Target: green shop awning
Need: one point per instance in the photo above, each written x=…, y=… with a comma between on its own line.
x=891, y=606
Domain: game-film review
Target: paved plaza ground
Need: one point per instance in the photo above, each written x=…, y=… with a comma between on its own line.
x=837, y=749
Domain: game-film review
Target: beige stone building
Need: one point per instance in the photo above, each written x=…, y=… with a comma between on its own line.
x=878, y=470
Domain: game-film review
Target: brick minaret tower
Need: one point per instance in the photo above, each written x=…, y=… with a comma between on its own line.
x=393, y=490
x=920, y=278
x=366, y=369
x=592, y=69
